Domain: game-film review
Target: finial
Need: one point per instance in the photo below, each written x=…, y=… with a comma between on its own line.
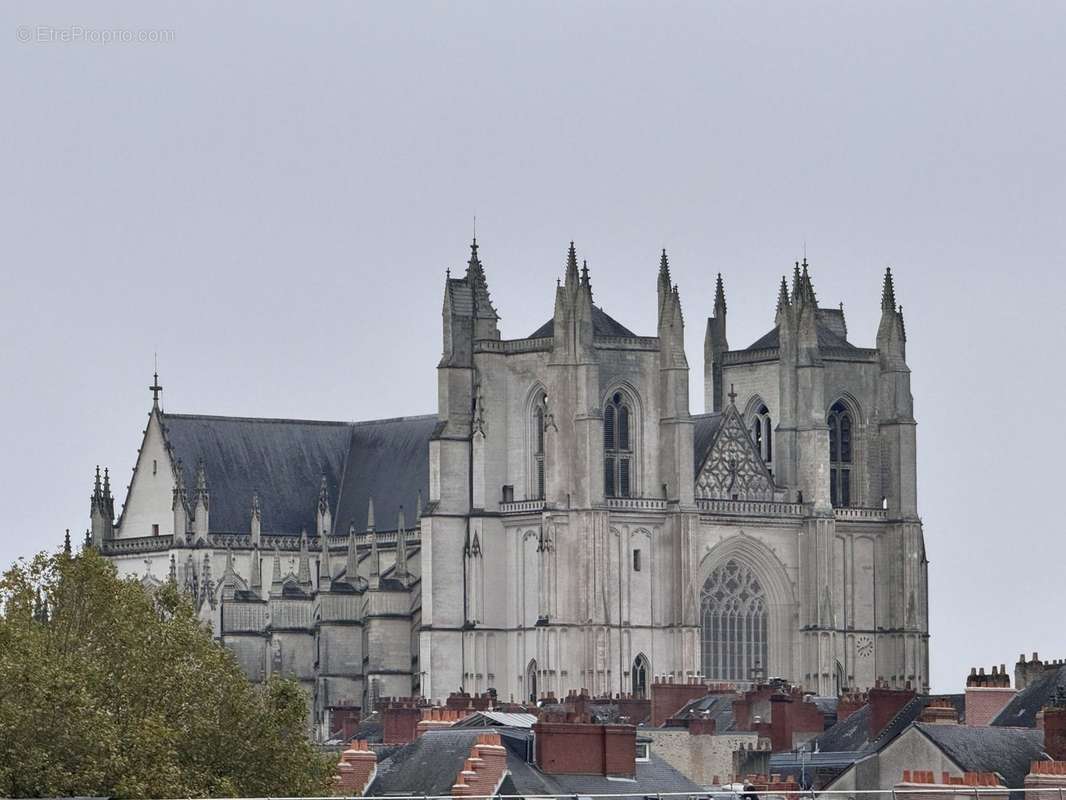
x=585, y=274
x=571, y=265
x=66, y=542
x=664, y=269
x=732, y=396
x=155, y=388
x=719, y=296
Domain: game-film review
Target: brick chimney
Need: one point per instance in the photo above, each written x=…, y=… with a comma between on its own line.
x=356, y=769
x=1044, y=775
x=849, y=703
x=577, y=748
x=791, y=715
x=400, y=718
x=885, y=704
x=923, y=785
x=484, y=768
x=1055, y=731
x=987, y=694
x=667, y=697
x=940, y=711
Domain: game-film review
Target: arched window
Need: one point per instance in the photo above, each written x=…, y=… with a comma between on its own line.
x=539, y=406
x=734, y=618
x=762, y=433
x=617, y=447
x=840, y=425
x=640, y=676
x=531, y=681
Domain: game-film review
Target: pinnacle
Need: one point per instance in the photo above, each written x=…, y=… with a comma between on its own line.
x=888, y=292
x=664, y=269
x=571, y=266
x=370, y=514
x=719, y=296
x=782, y=294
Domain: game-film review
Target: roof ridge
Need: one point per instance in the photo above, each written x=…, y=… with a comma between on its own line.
x=293, y=420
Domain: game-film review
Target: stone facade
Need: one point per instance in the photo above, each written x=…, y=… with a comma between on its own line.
x=581, y=527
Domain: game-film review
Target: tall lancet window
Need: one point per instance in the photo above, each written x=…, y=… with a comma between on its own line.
x=617, y=448
x=762, y=434
x=840, y=454
x=734, y=619
x=537, y=437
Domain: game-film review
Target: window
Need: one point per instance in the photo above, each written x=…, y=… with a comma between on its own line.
x=640, y=676
x=840, y=455
x=617, y=448
x=762, y=433
x=733, y=611
x=643, y=751
x=538, y=446
x=531, y=681
x=155, y=529
x=636, y=560
x=508, y=493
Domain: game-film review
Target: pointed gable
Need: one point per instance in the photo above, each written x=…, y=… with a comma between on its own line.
x=733, y=468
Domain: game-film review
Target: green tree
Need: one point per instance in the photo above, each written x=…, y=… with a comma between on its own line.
x=110, y=690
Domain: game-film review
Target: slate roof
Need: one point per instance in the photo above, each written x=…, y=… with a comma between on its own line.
x=718, y=707
x=705, y=427
x=1008, y=751
x=284, y=461
x=426, y=766
x=1021, y=711
x=603, y=324
x=827, y=337
x=652, y=776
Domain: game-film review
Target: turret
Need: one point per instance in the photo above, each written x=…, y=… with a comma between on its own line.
x=201, y=505
x=895, y=409
x=802, y=438
x=323, y=516
x=675, y=424
x=715, y=344
x=573, y=329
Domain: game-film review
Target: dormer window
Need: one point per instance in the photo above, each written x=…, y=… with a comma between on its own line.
x=617, y=447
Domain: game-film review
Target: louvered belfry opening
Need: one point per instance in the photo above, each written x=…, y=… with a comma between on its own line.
x=617, y=447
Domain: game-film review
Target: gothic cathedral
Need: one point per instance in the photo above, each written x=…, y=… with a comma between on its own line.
x=569, y=522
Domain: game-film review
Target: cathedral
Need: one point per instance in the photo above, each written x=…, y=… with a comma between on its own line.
x=563, y=520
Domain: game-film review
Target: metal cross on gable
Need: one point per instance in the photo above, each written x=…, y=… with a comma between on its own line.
x=732, y=396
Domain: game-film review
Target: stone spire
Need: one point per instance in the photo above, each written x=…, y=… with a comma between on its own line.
x=400, y=572
x=66, y=543
x=172, y=576
x=207, y=584
x=807, y=287
x=586, y=281
x=304, y=568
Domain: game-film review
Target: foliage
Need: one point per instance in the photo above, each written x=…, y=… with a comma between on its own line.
x=109, y=690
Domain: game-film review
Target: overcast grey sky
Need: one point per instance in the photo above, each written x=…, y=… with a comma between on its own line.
x=270, y=199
